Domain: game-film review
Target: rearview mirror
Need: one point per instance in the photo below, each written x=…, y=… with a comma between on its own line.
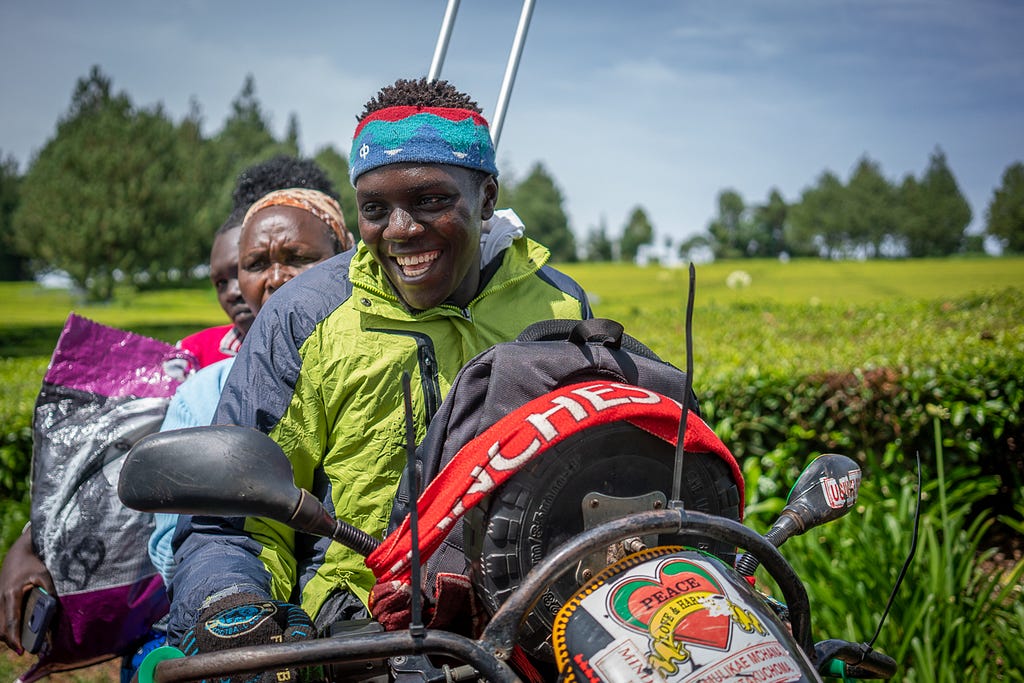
x=221, y=470
x=825, y=491
x=227, y=471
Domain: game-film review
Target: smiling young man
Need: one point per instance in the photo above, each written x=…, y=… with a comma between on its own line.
x=437, y=279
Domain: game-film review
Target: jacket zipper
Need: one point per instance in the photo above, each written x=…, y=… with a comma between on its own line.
x=426, y=359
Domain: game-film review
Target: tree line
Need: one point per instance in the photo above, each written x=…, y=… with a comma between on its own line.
x=124, y=194
x=868, y=217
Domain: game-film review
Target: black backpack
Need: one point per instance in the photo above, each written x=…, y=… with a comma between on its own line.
x=545, y=356
x=617, y=458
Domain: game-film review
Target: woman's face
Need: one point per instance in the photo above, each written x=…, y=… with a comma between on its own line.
x=224, y=276
x=277, y=244
x=422, y=223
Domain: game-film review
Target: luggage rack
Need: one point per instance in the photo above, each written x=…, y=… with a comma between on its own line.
x=441, y=49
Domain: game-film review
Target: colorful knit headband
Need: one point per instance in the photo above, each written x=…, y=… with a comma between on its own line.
x=432, y=135
x=315, y=202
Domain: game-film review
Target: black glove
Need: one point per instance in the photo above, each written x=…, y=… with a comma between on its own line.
x=245, y=619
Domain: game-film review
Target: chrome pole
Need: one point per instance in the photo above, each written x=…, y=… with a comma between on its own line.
x=442, y=40
x=510, y=71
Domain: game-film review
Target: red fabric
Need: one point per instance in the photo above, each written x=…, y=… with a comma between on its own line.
x=523, y=666
x=205, y=345
x=400, y=112
x=455, y=608
x=496, y=454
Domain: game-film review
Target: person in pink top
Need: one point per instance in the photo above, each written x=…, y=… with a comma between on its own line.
x=217, y=343
x=212, y=344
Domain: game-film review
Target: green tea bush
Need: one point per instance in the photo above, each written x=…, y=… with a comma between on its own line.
x=21, y=379
x=879, y=416
x=962, y=360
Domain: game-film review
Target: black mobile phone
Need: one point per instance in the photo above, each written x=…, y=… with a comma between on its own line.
x=40, y=608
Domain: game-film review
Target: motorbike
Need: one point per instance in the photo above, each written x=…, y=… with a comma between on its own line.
x=643, y=589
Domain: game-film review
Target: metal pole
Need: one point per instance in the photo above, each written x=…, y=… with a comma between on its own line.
x=442, y=40
x=510, y=71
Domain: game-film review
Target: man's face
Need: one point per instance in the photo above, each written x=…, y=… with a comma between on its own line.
x=422, y=223
x=224, y=276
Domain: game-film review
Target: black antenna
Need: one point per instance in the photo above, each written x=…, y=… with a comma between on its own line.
x=416, y=597
x=906, y=564
x=677, y=477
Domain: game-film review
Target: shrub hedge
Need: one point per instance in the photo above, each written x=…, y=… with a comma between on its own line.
x=21, y=379
x=881, y=417
x=961, y=361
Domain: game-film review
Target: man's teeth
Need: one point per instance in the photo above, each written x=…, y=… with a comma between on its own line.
x=416, y=258
x=416, y=264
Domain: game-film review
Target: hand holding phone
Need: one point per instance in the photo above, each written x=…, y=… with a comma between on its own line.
x=40, y=608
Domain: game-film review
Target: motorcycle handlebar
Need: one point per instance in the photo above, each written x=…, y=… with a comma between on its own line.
x=257, y=658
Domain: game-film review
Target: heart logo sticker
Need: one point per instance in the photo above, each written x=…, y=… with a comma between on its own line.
x=685, y=604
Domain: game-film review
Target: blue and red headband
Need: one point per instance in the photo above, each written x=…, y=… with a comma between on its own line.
x=431, y=135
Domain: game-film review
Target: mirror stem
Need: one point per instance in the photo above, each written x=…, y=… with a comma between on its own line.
x=785, y=527
x=311, y=517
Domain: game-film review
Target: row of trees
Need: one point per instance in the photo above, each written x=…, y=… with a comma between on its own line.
x=538, y=201
x=869, y=216
x=123, y=192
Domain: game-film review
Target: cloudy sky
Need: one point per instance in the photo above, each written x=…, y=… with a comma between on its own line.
x=654, y=103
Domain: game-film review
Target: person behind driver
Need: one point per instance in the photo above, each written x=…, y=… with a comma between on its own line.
x=283, y=234
x=22, y=568
x=436, y=280
x=196, y=399
x=277, y=173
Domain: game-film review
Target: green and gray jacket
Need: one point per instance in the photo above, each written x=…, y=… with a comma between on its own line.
x=321, y=374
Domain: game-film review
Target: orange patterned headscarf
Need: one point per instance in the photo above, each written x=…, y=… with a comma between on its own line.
x=317, y=203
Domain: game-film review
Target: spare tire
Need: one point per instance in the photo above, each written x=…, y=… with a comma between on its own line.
x=540, y=507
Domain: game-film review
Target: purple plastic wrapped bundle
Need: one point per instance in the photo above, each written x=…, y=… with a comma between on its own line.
x=104, y=390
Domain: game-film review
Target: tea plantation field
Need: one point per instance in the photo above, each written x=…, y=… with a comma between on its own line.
x=879, y=360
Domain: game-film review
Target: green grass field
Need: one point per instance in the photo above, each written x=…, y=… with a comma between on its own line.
x=808, y=316
x=845, y=283
x=850, y=283
x=804, y=316
x=649, y=301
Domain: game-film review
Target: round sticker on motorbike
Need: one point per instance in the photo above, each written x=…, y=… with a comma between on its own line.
x=669, y=614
